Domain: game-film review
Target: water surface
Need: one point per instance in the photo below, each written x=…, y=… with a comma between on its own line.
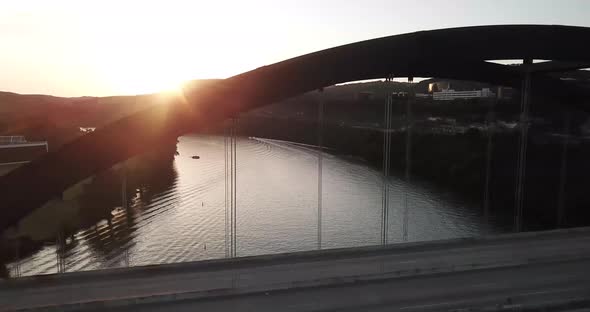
x=176, y=211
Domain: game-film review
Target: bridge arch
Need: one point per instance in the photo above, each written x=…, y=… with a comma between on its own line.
x=457, y=53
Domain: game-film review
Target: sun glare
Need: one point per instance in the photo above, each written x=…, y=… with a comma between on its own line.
x=145, y=76
x=138, y=47
x=157, y=52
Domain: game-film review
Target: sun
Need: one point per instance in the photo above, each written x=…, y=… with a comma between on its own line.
x=153, y=78
x=136, y=69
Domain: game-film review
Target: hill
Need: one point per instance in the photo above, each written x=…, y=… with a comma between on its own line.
x=58, y=119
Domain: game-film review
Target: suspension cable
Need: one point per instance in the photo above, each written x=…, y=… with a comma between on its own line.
x=320, y=164
x=408, y=168
x=521, y=165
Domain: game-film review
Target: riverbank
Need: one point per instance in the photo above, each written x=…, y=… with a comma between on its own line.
x=458, y=162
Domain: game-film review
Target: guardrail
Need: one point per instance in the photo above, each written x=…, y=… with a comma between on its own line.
x=13, y=139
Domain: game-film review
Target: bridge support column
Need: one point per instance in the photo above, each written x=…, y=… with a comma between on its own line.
x=386, y=163
x=408, y=164
x=17, y=272
x=60, y=246
x=490, y=128
x=320, y=164
x=230, y=189
x=563, y=170
x=522, y=154
x=125, y=206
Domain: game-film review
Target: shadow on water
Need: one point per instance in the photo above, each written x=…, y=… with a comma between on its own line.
x=101, y=211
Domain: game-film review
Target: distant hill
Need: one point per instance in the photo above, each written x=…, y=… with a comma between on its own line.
x=359, y=102
x=58, y=119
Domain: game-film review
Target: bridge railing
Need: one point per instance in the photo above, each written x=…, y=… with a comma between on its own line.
x=13, y=139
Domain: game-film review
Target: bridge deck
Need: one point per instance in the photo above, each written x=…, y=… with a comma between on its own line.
x=551, y=263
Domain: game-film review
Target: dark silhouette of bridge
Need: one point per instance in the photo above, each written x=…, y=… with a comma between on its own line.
x=458, y=53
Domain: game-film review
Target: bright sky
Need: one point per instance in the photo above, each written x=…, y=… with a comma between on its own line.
x=113, y=47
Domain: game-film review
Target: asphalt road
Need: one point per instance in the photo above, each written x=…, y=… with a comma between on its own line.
x=411, y=276
x=523, y=286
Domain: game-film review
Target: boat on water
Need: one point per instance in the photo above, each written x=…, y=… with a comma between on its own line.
x=15, y=151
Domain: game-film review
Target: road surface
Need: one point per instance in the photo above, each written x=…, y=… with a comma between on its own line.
x=529, y=266
x=496, y=288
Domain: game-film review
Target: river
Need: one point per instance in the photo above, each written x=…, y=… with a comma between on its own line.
x=179, y=213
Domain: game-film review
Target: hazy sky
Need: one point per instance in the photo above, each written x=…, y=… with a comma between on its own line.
x=72, y=48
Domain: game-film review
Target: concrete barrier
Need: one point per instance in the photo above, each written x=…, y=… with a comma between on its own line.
x=234, y=288
x=251, y=261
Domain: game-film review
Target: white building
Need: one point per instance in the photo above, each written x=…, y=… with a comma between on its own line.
x=450, y=94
